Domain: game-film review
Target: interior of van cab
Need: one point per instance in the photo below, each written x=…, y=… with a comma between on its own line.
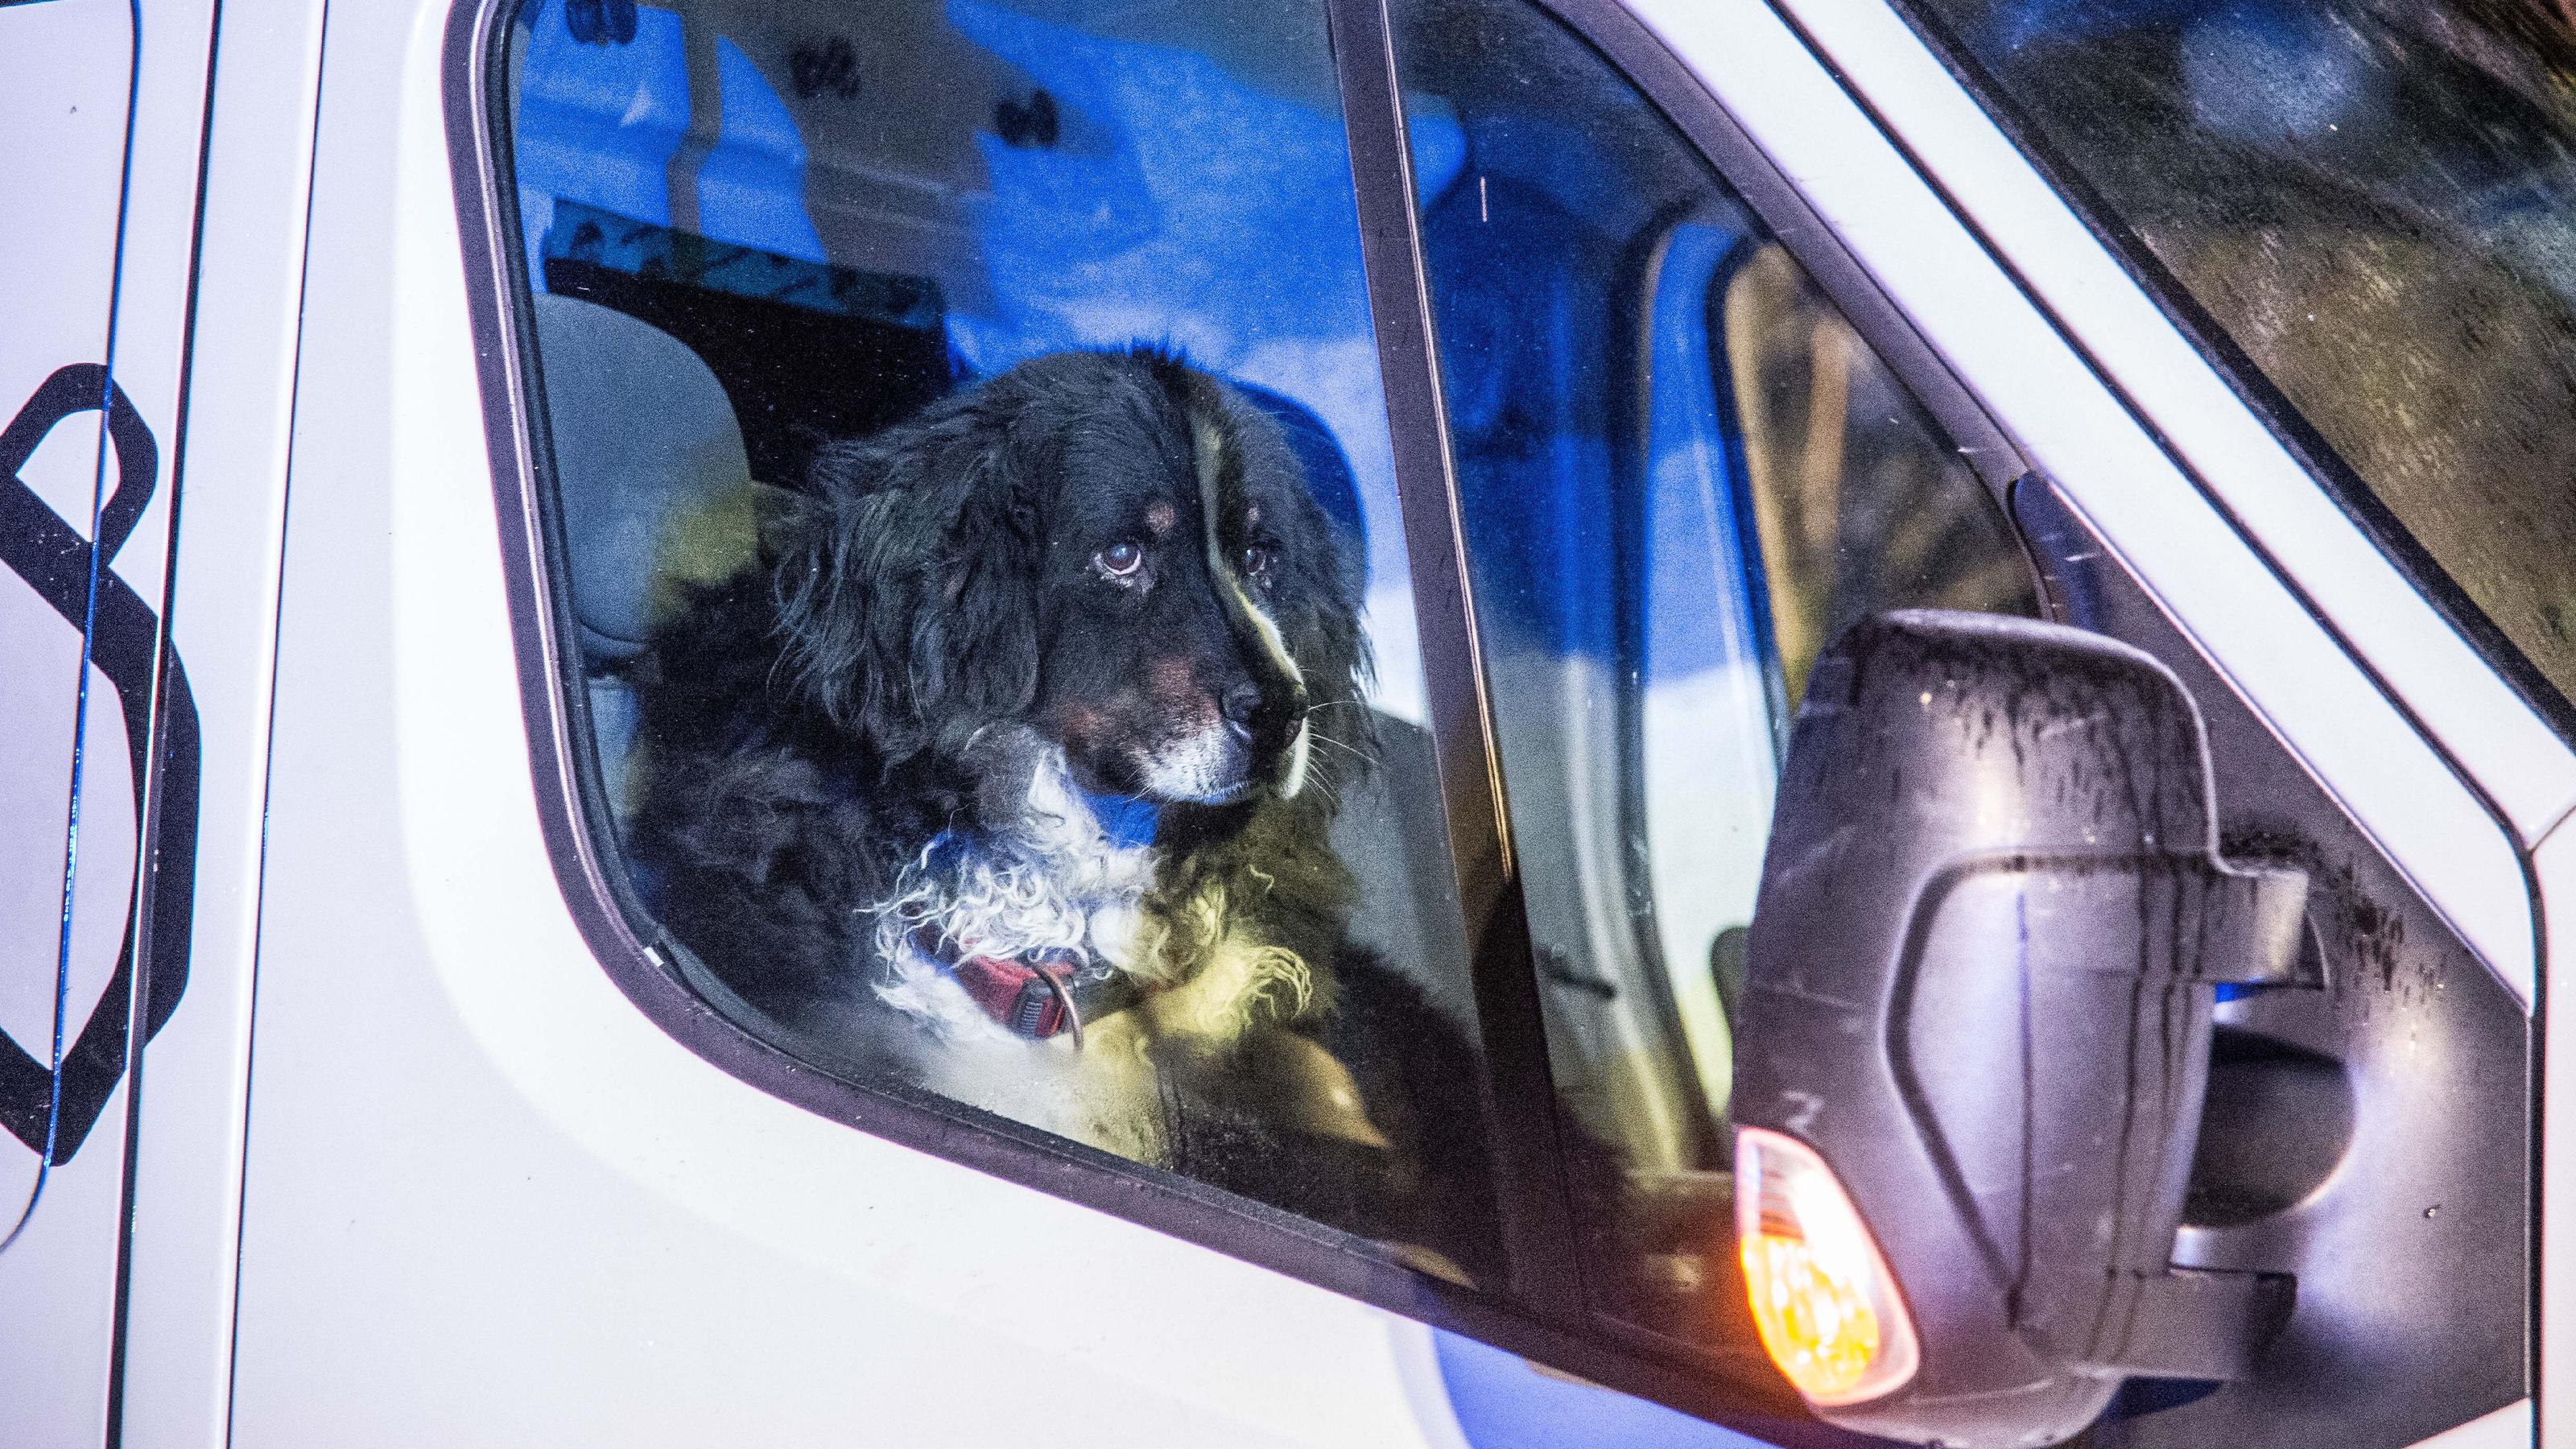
x=753, y=230
x=750, y=235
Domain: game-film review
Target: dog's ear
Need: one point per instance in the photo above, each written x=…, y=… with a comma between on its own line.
x=907, y=584
x=1317, y=598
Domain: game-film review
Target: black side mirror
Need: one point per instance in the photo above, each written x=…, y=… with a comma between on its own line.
x=1976, y=1028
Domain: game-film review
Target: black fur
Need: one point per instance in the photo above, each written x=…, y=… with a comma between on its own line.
x=947, y=593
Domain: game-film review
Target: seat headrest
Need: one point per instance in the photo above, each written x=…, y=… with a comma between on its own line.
x=646, y=445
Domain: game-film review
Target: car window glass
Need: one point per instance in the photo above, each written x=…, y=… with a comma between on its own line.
x=2369, y=203
x=975, y=515
x=1680, y=472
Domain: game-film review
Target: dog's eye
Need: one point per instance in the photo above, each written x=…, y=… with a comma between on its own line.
x=1257, y=559
x=1119, y=560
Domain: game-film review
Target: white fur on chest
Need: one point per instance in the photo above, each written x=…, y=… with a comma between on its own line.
x=1051, y=882
x=1056, y=882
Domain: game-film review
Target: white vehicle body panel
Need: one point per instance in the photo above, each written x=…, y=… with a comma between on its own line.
x=188, y=1160
x=53, y=62
x=104, y=197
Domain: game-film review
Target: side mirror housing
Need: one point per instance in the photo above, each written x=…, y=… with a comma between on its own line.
x=1992, y=923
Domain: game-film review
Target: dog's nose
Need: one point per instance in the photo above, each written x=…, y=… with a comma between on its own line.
x=1241, y=702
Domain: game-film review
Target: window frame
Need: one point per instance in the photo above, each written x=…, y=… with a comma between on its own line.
x=1541, y=1313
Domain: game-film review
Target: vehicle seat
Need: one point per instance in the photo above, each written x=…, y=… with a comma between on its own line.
x=654, y=487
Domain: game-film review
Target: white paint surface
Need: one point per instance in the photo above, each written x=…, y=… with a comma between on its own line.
x=66, y=70
x=185, y=1230
x=63, y=78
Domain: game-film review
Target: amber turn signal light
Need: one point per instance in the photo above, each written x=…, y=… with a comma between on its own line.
x=1828, y=1309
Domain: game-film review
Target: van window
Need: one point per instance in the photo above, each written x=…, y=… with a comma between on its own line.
x=973, y=505
x=2362, y=208
x=1681, y=472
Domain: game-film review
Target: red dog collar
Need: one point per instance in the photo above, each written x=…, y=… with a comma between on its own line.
x=1031, y=998
x=1036, y=995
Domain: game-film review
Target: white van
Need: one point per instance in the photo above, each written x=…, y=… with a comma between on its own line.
x=383, y=384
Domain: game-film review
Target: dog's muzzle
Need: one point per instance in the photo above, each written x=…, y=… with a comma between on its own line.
x=1212, y=765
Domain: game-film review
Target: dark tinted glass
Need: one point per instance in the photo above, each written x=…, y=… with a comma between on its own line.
x=2375, y=202
x=1681, y=471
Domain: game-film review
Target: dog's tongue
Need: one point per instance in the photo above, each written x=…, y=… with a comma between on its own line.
x=1126, y=820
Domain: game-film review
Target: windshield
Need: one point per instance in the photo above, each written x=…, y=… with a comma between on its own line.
x=2372, y=203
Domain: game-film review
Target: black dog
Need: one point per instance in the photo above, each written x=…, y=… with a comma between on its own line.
x=1006, y=773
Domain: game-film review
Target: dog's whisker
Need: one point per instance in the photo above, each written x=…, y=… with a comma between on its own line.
x=1359, y=755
